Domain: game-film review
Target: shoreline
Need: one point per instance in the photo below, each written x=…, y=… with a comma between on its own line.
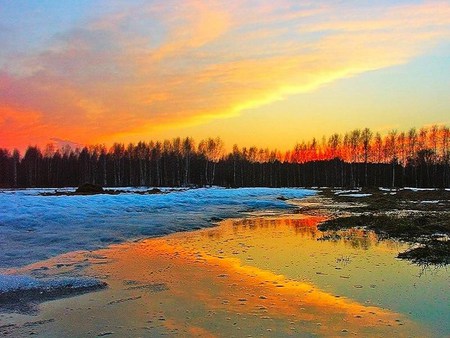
x=420, y=218
x=37, y=227
x=204, y=283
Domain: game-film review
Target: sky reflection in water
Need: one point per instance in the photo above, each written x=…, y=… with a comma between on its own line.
x=259, y=276
x=355, y=264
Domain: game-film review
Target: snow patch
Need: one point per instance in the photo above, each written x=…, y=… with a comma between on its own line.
x=355, y=195
x=10, y=284
x=35, y=227
x=419, y=189
x=22, y=294
x=340, y=192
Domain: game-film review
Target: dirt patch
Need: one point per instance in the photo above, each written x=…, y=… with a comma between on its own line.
x=395, y=199
x=83, y=192
x=435, y=252
x=408, y=228
x=26, y=301
x=417, y=217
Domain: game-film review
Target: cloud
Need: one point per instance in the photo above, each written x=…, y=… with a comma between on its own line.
x=162, y=66
x=60, y=143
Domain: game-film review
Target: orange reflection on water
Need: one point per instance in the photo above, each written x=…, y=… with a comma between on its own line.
x=222, y=292
x=244, y=277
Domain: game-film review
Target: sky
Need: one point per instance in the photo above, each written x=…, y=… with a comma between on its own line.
x=263, y=73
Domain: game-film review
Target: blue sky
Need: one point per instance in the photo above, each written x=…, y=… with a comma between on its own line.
x=252, y=72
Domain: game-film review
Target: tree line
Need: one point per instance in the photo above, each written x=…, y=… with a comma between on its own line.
x=418, y=158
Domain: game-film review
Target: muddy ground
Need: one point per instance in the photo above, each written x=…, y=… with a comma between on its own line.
x=419, y=217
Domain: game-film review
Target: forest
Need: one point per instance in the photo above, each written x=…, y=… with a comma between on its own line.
x=359, y=158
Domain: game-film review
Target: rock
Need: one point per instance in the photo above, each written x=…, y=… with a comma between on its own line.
x=282, y=198
x=89, y=188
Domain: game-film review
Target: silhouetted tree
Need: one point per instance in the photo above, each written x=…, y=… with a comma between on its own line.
x=353, y=159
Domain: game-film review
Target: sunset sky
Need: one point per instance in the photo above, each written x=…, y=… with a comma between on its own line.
x=264, y=73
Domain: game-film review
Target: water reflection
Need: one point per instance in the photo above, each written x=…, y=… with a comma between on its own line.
x=260, y=276
x=306, y=226
x=303, y=226
x=353, y=263
x=211, y=293
x=356, y=238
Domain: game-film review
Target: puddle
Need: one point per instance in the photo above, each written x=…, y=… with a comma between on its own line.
x=265, y=276
x=355, y=264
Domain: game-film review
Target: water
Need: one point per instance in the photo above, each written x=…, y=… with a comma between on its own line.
x=358, y=266
x=310, y=285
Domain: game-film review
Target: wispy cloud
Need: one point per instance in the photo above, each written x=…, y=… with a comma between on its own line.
x=187, y=62
x=60, y=143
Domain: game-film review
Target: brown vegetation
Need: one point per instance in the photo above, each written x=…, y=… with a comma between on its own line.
x=419, y=217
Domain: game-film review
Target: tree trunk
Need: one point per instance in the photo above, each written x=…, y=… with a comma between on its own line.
x=393, y=174
x=213, y=174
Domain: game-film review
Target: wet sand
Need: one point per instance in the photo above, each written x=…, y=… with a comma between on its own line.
x=242, y=278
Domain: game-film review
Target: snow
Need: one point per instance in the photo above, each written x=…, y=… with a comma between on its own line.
x=35, y=227
x=351, y=193
x=15, y=283
x=355, y=195
x=340, y=192
x=420, y=189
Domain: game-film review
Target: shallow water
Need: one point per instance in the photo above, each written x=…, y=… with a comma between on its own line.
x=256, y=276
x=357, y=265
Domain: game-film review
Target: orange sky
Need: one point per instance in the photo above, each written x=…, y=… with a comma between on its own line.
x=265, y=73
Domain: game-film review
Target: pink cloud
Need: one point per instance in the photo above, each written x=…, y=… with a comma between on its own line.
x=161, y=66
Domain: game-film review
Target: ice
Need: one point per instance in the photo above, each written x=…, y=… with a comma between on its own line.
x=35, y=227
x=420, y=189
x=21, y=294
x=340, y=192
x=19, y=283
x=355, y=195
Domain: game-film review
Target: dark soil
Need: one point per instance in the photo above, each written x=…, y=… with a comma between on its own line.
x=407, y=228
x=98, y=190
x=27, y=301
x=417, y=217
x=89, y=189
x=435, y=252
x=397, y=199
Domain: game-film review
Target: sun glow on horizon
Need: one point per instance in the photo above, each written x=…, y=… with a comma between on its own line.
x=245, y=72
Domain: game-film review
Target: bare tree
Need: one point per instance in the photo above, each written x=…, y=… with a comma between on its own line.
x=392, y=148
x=16, y=159
x=445, y=153
x=188, y=149
x=355, y=138
x=236, y=154
x=212, y=150
x=366, y=138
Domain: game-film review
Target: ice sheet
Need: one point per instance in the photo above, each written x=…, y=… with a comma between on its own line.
x=15, y=283
x=355, y=195
x=35, y=227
